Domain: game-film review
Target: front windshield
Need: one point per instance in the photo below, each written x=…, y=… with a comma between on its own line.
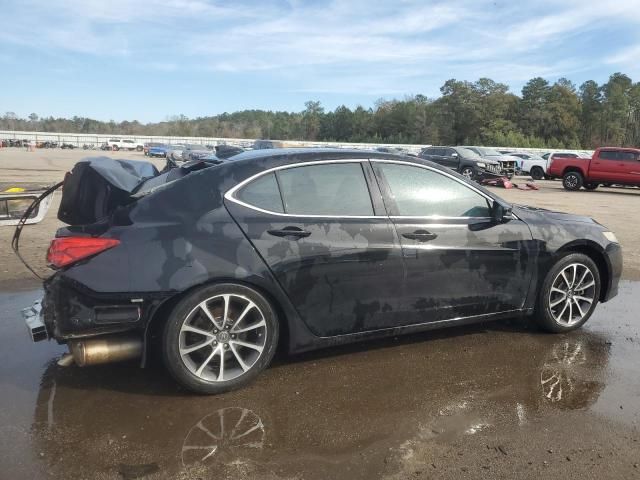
x=465, y=152
x=489, y=152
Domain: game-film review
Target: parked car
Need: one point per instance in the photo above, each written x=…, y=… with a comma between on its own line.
x=301, y=249
x=552, y=155
x=533, y=164
x=227, y=151
x=464, y=161
x=149, y=145
x=194, y=152
x=174, y=152
x=158, y=150
x=67, y=146
x=125, y=144
x=507, y=162
x=267, y=144
x=609, y=165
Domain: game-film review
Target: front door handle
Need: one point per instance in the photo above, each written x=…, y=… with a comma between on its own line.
x=290, y=231
x=420, y=236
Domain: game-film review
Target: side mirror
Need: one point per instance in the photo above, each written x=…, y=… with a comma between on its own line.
x=501, y=212
x=454, y=155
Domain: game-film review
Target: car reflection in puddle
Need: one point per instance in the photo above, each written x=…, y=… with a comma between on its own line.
x=226, y=434
x=327, y=412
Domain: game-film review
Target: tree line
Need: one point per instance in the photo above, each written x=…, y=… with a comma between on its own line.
x=557, y=115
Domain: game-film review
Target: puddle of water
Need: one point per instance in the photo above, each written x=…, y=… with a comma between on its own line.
x=339, y=413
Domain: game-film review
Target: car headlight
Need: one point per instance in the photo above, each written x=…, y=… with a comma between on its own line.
x=481, y=164
x=610, y=236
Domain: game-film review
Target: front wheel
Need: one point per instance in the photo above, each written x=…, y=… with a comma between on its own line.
x=537, y=173
x=468, y=172
x=572, y=181
x=220, y=337
x=569, y=294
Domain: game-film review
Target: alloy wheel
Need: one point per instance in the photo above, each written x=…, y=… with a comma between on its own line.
x=571, y=181
x=572, y=294
x=222, y=337
x=467, y=173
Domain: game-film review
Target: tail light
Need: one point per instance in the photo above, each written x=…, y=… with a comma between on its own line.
x=67, y=250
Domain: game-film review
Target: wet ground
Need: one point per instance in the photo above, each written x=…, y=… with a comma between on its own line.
x=499, y=400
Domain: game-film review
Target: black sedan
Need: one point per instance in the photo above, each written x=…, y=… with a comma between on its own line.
x=299, y=249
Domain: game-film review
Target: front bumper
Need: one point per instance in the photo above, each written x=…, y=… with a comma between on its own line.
x=614, y=259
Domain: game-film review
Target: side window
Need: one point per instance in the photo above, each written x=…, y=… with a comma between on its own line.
x=429, y=151
x=262, y=193
x=609, y=155
x=628, y=156
x=419, y=192
x=338, y=189
x=448, y=152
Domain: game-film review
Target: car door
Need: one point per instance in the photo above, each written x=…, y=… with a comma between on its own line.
x=450, y=158
x=631, y=162
x=328, y=242
x=459, y=262
x=607, y=166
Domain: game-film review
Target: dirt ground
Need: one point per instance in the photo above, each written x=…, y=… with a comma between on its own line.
x=499, y=401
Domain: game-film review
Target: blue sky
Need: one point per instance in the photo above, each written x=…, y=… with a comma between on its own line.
x=149, y=59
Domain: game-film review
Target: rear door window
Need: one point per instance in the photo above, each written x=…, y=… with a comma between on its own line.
x=334, y=189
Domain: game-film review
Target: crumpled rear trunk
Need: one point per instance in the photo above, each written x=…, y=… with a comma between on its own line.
x=96, y=186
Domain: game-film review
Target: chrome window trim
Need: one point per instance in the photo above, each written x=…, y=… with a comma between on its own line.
x=230, y=195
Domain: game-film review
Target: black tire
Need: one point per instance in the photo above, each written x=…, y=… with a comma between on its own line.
x=115, y=148
x=468, y=172
x=572, y=181
x=537, y=173
x=185, y=311
x=138, y=149
x=544, y=315
x=590, y=186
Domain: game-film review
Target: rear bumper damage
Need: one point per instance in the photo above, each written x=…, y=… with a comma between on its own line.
x=98, y=328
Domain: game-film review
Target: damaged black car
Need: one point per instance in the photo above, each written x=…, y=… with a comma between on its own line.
x=216, y=266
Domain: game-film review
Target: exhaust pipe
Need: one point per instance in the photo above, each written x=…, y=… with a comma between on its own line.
x=94, y=351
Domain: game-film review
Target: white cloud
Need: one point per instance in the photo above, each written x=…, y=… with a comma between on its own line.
x=333, y=46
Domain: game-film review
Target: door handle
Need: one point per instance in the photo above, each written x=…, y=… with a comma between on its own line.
x=289, y=232
x=420, y=236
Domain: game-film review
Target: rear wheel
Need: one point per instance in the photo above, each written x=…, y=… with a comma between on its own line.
x=115, y=148
x=572, y=181
x=569, y=294
x=139, y=148
x=468, y=172
x=537, y=173
x=220, y=337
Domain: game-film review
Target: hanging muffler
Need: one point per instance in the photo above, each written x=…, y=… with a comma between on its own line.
x=106, y=349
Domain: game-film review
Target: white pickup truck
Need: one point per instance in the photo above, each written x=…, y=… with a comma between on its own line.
x=125, y=144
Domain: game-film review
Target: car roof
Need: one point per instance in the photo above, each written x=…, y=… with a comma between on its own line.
x=312, y=154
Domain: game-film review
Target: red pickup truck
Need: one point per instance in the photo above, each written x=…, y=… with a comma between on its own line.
x=609, y=165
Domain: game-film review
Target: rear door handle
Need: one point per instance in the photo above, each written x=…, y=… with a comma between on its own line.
x=290, y=231
x=420, y=236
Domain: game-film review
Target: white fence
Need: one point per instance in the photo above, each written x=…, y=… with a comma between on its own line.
x=95, y=139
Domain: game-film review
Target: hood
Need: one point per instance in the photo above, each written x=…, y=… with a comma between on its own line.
x=527, y=212
x=487, y=160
